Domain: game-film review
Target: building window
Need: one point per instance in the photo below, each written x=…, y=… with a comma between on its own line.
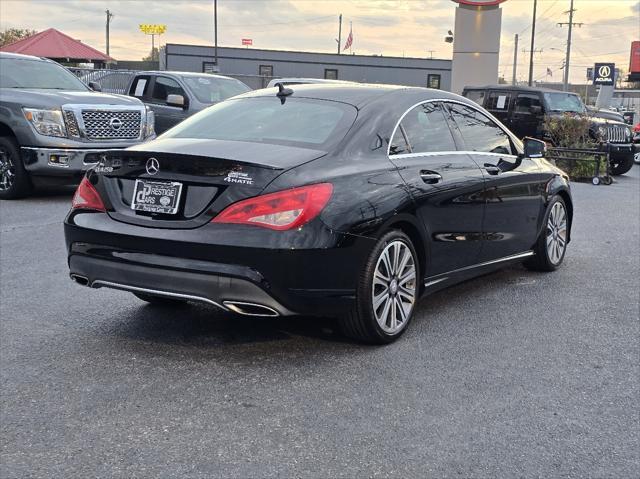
x=209, y=67
x=330, y=74
x=265, y=70
x=433, y=81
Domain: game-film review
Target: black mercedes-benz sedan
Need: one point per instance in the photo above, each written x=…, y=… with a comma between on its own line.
x=348, y=200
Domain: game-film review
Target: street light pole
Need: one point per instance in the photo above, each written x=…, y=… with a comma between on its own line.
x=515, y=59
x=533, y=42
x=215, y=32
x=339, y=40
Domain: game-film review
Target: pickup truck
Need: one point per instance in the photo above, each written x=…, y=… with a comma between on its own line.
x=53, y=127
x=174, y=96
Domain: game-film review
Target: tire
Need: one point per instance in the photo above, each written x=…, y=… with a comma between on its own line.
x=14, y=179
x=621, y=164
x=160, y=300
x=387, y=291
x=551, y=245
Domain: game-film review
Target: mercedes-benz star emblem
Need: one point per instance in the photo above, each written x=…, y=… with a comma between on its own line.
x=152, y=166
x=115, y=123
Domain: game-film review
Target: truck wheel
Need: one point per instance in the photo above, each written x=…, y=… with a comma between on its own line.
x=14, y=179
x=621, y=164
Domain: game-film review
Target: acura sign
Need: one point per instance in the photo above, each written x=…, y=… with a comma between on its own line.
x=604, y=74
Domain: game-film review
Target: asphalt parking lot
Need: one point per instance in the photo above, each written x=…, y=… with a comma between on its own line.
x=515, y=374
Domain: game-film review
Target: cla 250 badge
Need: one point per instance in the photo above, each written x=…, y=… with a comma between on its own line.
x=239, y=177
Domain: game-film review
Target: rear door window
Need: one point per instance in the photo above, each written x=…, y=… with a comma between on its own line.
x=479, y=132
x=140, y=87
x=426, y=130
x=498, y=101
x=524, y=103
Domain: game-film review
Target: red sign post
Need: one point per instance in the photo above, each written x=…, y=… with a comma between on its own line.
x=247, y=41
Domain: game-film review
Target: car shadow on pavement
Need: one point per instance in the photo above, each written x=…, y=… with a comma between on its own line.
x=204, y=329
x=202, y=326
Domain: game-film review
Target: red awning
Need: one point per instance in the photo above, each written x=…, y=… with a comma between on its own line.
x=55, y=45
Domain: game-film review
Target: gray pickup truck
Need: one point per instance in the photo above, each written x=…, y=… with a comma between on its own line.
x=53, y=127
x=174, y=96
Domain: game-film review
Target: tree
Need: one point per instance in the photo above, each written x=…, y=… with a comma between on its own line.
x=11, y=35
x=153, y=56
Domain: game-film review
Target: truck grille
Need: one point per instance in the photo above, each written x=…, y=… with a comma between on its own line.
x=111, y=125
x=617, y=134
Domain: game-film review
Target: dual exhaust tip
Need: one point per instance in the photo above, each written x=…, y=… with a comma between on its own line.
x=239, y=307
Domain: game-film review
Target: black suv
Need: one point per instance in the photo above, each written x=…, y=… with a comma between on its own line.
x=523, y=109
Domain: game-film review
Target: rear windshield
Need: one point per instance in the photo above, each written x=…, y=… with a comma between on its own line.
x=297, y=122
x=212, y=89
x=18, y=73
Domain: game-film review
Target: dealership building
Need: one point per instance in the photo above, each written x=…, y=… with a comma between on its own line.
x=256, y=67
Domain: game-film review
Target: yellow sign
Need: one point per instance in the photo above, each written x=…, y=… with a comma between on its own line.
x=152, y=28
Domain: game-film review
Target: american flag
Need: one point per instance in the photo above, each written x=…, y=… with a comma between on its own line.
x=349, y=39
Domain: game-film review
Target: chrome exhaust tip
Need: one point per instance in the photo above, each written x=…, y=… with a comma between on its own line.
x=250, y=309
x=81, y=280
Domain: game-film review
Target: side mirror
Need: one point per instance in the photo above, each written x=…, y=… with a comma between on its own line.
x=175, y=100
x=95, y=86
x=536, y=109
x=534, y=148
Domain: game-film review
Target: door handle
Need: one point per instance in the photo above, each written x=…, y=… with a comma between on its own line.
x=430, y=177
x=492, y=169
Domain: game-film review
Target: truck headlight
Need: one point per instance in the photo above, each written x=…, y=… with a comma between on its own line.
x=46, y=122
x=604, y=133
x=150, y=123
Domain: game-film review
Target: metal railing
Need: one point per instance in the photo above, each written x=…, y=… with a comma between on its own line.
x=116, y=81
x=110, y=81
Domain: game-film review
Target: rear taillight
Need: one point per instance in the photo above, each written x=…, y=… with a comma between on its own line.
x=283, y=210
x=87, y=197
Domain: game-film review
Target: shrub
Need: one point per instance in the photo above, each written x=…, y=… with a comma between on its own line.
x=569, y=131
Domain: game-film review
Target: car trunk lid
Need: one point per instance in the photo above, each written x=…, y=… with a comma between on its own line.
x=211, y=175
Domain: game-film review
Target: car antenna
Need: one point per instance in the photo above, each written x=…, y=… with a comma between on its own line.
x=283, y=92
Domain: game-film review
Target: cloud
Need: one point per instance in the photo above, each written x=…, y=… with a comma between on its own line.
x=389, y=27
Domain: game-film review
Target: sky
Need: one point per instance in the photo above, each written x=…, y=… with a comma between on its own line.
x=412, y=28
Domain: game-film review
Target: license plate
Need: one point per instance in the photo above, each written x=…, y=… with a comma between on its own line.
x=156, y=196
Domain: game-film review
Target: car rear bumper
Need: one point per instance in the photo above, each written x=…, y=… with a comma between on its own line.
x=230, y=288
x=223, y=265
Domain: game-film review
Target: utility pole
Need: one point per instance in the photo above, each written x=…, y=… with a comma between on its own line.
x=515, y=59
x=215, y=33
x=339, y=39
x=565, y=83
x=109, y=17
x=533, y=42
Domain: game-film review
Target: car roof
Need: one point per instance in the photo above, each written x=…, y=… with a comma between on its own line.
x=181, y=74
x=20, y=56
x=356, y=94
x=517, y=88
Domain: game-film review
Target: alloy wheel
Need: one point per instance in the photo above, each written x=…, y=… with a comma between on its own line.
x=556, y=233
x=7, y=170
x=394, y=287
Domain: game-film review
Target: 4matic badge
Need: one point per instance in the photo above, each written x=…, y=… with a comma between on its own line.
x=239, y=177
